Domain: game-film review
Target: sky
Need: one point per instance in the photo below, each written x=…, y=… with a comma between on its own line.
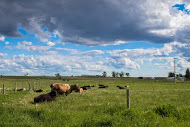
x=77, y=37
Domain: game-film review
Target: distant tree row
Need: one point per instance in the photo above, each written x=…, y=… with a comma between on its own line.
x=116, y=74
x=187, y=74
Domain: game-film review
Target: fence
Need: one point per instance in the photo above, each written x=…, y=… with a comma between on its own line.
x=28, y=86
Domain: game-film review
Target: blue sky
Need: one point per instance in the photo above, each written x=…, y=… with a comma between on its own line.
x=74, y=38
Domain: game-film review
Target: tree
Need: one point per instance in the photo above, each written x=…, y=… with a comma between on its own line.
x=127, y=74
x=26, y=74
x=116, y=74
x=171, y=74
x=113, y=74
x=187, y=73
x=58, y=76
x=179, y=75
x=104, y=74
x=121, y=74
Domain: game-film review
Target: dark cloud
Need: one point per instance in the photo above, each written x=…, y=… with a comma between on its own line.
x=82, y=21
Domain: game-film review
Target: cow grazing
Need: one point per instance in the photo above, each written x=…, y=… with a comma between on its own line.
x=45, y=97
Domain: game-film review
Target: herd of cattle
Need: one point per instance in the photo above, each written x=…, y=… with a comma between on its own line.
x=61, y=89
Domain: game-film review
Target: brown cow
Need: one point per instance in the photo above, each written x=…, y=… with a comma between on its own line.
x=64, y=88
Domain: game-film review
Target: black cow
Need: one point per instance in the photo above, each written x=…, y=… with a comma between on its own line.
x=40, y=90
x=46, y=97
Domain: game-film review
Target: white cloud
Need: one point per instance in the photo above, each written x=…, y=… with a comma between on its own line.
x=2, y=38
x=27, y=43
x=50, y=43
x=92, y=53
x=6, y=42
x=29, y=47
x=120, y=62
x=183, y=63
x=49, y=64
x=133, y=58
x=3, y=55
x=87, y=53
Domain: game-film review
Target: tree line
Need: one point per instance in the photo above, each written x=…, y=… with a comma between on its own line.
x=187, y=74
x=116, y=74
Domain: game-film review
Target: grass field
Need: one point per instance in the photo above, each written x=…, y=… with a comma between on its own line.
x=153, y=104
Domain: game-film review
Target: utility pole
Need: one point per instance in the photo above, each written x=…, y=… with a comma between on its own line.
x=174, y=71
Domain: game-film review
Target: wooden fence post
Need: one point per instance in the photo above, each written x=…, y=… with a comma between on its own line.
x=33, y=85
x=3, y=89
x=29, y=86
x=22, y=86
x=15, y=88
x=128, y=98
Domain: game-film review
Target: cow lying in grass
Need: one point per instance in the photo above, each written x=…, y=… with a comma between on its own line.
x=87, y=87
x=102, y=86
x=127, y=86
x=121, y=87
x=84, y=87
x=64, y=88
x=22, y=89
x=45, y=97
x=40, y=90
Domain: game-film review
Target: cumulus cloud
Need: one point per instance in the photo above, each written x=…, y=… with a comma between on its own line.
x=2, y=38
x=50, y=43
x=29, y=47
x=3, y=55
x=6, y=42
x=100, y=22
x=87, y=53
x=51, y=62
x=133, y=58
x=55, y=64
x=121, y=62
x=27, y=43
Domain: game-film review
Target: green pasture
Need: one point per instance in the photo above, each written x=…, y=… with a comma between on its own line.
x=154, y=103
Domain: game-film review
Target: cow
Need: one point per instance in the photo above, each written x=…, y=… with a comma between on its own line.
x=103, y=86
x=64, y=88
x=40, y=90
x=46, y=97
